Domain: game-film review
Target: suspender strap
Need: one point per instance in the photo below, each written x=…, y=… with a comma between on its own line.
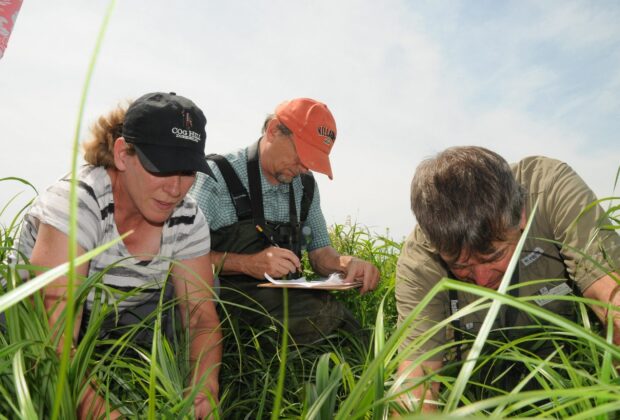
x=511, y=313
x=307, y=182
x=292, y=212
x=238, y=194
x=456, y=323
x=256, y=189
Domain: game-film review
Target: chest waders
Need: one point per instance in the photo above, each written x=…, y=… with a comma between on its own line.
x=509, y=319
x=489, y=374
x=312, y=314
x=502, y=373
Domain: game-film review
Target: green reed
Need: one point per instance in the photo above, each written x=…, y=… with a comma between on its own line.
x=342, y=377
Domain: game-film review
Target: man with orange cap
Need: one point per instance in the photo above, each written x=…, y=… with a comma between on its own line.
x=264, y=209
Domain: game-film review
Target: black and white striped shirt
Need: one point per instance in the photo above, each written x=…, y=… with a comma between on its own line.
x=184, y=236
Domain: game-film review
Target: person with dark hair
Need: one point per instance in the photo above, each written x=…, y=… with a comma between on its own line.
x=140, y=165
x=265, y=209
x=471, y=207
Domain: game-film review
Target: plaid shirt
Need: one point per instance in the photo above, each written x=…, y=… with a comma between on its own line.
x=214, y=200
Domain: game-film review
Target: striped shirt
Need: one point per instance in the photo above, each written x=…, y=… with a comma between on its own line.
x=184, y=236
x=215, y=202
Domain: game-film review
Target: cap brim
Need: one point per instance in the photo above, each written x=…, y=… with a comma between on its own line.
x=312, y=158
x=170, y=160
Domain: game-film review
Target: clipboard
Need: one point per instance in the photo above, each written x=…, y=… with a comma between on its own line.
x=347, y=286
x=333, y=282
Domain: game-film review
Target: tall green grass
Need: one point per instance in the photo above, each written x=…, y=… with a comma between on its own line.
x=344, y=376
x=341, y=377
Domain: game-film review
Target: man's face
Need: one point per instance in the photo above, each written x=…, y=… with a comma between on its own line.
x=485, y=270
x=284, y=163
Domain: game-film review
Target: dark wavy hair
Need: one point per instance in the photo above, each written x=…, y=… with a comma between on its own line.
x=464, y=199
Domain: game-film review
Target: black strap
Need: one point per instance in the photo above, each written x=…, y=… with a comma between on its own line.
x=238, y=194
x=456, y=323
x=307, y=182
x=510, y=316
x=292, y=211
x=256, y=189
x=295, y=230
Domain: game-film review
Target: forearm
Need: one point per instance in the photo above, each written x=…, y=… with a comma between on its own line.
x=94, y=406
x=423, y=392
x=230, y=263
x=206, y=355
x=607, y=290
x=55, y=304
x=274, y=261
x=193, y=283
x=327, y=260
x=50, y=251
x=91, y=405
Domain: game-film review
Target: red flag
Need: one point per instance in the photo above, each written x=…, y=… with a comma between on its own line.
x=8, y=15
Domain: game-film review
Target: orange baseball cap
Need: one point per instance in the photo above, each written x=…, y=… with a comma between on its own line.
x=314, y=131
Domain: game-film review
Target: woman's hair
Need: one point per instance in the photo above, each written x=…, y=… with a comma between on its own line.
x=465, y=198
x=99, y=149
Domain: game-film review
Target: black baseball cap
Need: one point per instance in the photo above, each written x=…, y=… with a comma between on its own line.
x=168, y=133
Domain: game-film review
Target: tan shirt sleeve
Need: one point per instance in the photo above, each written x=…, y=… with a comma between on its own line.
x=417, y=272
x=589, y=252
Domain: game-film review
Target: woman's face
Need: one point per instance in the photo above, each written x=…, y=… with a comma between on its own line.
x=154, y=196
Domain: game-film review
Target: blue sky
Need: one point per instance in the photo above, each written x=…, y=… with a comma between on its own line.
x=404, y=79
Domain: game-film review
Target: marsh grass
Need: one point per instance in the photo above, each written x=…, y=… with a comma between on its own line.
x=342, y=377
x=380, y=250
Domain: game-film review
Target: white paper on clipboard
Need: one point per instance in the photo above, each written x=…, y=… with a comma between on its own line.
x=334, y=279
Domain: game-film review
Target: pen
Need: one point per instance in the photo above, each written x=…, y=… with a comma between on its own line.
x=260, y=230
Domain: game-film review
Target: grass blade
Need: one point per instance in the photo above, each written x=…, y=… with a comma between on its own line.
x=275, y=413
x=26, y=407
x=73, y=209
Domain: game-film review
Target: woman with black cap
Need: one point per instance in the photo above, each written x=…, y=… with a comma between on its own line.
x=141, y=163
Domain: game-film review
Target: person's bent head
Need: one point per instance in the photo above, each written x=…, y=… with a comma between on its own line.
x=301, y=134
x=166, y=130
x=466, y=200
x=153, y=149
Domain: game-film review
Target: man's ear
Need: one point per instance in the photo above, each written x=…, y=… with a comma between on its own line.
x=120, y=153
x=272, y=127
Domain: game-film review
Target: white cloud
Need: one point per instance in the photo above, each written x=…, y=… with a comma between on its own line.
x=578, y=24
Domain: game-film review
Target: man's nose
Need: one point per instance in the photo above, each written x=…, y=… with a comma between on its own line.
x=482, y=274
